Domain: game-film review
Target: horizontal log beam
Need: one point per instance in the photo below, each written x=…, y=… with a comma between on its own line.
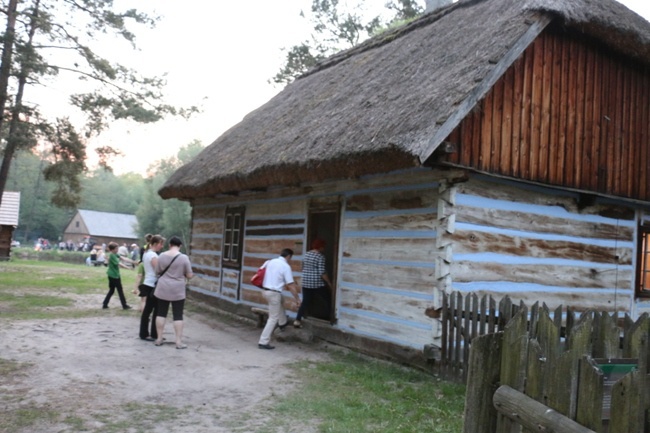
x=532, y=414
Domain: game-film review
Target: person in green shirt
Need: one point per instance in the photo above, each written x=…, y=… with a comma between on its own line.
x=113, y=272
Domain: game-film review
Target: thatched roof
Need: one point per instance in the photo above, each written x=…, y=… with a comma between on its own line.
x=388, y=103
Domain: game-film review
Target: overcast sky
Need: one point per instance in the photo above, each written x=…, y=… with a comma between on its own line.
x=218, y=54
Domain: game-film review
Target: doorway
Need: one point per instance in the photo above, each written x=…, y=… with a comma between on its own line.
x=323, y=223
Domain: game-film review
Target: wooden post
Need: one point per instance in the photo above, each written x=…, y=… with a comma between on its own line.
x=514, y=361
x=589, y=410
x=482, y=378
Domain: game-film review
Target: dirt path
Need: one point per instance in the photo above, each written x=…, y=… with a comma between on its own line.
x=96, y=375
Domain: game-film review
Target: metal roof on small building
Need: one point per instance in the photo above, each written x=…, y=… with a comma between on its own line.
x=10, y=208
x=107, y=224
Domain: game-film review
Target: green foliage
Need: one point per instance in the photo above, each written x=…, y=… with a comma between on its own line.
x=150, y=211
x=69, y=154
x=52, y=38
x=338, y=26
x=38, y=216
x=105, y=192
x=404, y=9
x=169, y=217
x=100, y=190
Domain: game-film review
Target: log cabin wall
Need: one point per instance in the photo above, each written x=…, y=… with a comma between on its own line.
x=6, y=234
x=406, y=236
x=568, y=113
x=205, y=250
x=271, y=226
x=388, y=250
x=537, y=244
x=387, y=282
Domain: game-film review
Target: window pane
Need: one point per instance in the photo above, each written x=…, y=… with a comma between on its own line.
x=232, y=235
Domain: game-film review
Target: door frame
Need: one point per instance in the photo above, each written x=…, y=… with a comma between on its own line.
x=329, y=205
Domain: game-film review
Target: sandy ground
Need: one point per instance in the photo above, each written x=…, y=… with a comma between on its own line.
x=96, y=375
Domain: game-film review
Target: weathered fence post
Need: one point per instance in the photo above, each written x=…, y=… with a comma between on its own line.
x=589, y=411
x=627, y=404
x=513, y=361
x=482, y=379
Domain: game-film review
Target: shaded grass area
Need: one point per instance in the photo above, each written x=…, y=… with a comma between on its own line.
x=354, y=393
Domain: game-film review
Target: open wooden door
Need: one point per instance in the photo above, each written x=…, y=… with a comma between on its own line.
x=324, y=223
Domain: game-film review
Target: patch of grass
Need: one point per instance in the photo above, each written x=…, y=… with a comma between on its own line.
x=32, y=289
x=76, y=423
x=27, y=300
x=8, y=367
x=26, y=417
x=141, y=417
x=77, y=279
x=353, y=393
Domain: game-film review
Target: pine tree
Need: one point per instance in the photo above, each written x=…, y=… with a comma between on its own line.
x=337, y=27
x=44, y=39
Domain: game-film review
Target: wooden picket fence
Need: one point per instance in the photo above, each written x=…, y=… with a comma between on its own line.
x=465, y=318
x=540, y=370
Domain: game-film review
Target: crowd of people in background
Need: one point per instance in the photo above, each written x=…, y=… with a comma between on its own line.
x=97, y=252
x=42, y=244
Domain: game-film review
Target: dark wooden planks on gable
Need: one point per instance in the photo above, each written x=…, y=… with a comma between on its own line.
x=567, y=113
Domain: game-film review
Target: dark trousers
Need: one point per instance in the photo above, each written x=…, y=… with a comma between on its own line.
x=162, y=308
x=149, y=310
x=115, y=283
x=308, y=297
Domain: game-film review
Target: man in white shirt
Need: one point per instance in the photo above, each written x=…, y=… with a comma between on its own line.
x=278, y=276
x=123, y=250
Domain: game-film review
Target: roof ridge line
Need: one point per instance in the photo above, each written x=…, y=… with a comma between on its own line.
x=388, y=36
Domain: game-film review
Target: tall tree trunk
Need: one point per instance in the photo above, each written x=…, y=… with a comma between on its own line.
x=15, y=113
x=5, y=71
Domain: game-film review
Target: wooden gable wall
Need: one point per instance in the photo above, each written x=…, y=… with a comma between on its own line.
x=567, y=113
